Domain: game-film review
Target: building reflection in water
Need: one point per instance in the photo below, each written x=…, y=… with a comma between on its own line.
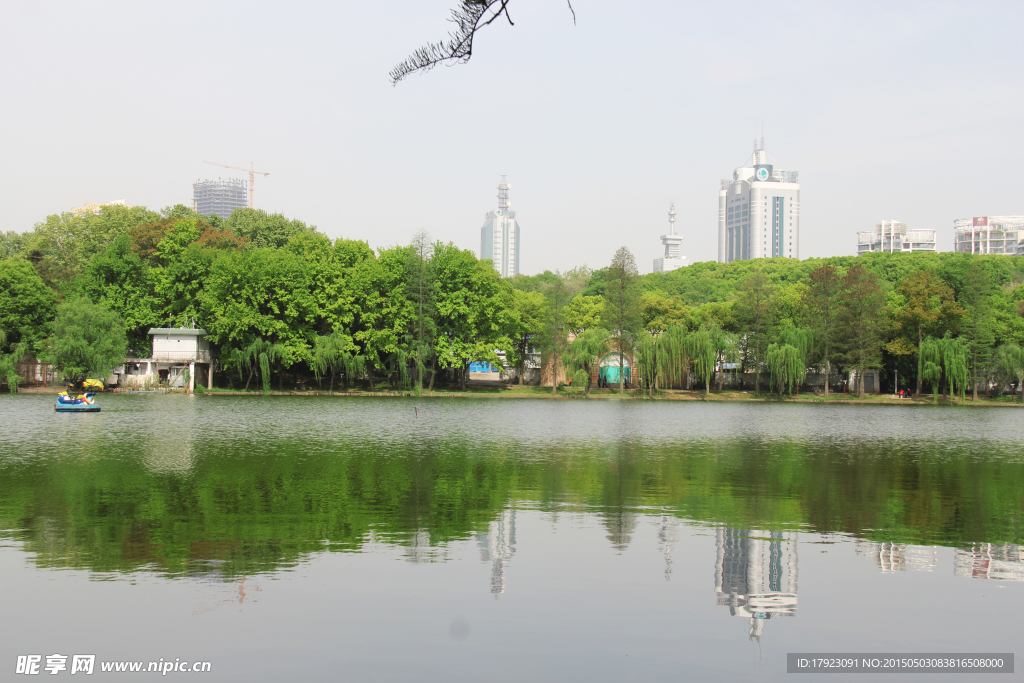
x=756, y=574
x=497, y=545
x=899, y=557
x=666, y=537
x=990, y=561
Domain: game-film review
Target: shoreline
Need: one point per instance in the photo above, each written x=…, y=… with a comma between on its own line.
x=571, y=394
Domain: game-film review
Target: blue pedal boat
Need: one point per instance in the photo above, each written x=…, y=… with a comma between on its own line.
x=80, y=403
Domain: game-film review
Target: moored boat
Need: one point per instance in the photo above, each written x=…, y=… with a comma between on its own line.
x=79, y=399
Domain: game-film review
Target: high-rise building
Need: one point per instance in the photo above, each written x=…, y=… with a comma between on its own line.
x=672, y=259
x=892, y=236
x=756, y=574
x=989, y=235
x=499, y=236
x=497, y=546
x=219, y=197
x=759, y=211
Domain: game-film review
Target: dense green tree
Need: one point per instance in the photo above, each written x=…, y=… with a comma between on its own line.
x=26, y=309
x=11, y=245
x=584, y=313
x=659, y=311
x=64, y=243
x=264, y=229
x=260, y=294
x=88, y=340
x=475, y=310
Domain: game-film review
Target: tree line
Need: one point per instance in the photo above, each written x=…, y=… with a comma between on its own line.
x=278, y=297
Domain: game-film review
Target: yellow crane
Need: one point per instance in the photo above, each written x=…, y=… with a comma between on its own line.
x=251, y=171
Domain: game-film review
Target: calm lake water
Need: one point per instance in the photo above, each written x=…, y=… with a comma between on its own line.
x=345, y=539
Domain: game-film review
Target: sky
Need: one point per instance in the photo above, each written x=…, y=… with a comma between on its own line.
x=889, y=111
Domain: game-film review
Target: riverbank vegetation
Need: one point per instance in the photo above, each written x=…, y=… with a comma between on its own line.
x=284, y=304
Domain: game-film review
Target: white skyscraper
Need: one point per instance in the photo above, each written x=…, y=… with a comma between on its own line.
x=499, y=236
x=759, y=211
x=672, y=259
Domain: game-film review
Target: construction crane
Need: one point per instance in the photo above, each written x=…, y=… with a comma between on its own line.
x=251, y=171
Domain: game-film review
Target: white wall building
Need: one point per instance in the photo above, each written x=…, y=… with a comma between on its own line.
x=759, y=211
x=892, y=236
x=989, y=235
x=672, y=259
x=176, y=351
x=499, y=236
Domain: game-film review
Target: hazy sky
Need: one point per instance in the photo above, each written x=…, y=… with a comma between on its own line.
x=905, y=111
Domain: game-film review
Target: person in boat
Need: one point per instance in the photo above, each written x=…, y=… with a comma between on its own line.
x=80, y=391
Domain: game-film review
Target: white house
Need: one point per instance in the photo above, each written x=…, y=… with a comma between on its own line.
x=175, y=350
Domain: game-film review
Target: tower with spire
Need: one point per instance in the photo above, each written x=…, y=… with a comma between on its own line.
x=672, y=259
x=759, y=211
x=499, y=236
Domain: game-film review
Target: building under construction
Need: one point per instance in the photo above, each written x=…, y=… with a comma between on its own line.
x=219, y=197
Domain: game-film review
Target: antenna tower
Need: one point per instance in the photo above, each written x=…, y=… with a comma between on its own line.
x=503, y=193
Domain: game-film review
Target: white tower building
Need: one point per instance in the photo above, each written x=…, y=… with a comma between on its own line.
x=499, y=236
x=672, y=259
x=759, y=211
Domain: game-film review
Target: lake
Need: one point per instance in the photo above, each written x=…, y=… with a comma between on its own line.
x=401, y=539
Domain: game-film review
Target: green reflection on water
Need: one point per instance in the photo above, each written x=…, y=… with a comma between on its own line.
x=248, y=505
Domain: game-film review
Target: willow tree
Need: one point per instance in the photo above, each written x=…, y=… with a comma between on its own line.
x=327, y=355
x=786, y=364
x=674, y=359
x=648, y=361
x=1009, y=361
x=353, y=365
x=263, y=354
x=802, y=340
x=930, y=353
x=955, y=364
x=584, y=353
x=88, y=339
x=703, y=351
